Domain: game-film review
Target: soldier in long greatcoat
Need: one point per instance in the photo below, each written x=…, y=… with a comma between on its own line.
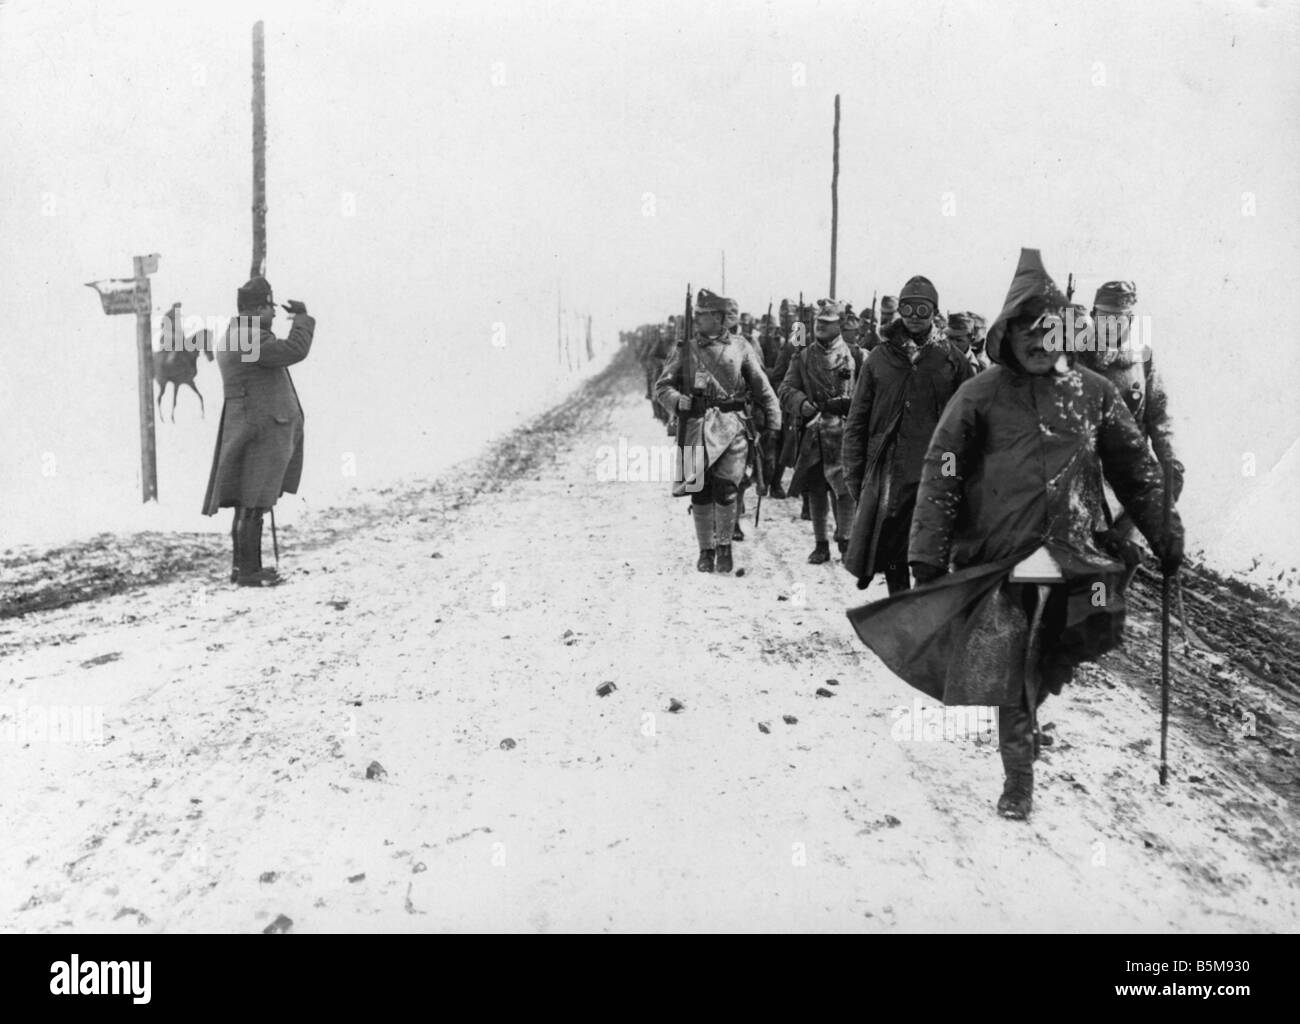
x=902, y=389
x=259, y=448
x=816, y=393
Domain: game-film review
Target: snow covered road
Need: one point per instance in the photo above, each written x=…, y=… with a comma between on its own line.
x=451, y=639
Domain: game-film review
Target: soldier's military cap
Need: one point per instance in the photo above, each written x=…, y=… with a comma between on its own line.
x=920, y=288
x=254, y=295
x=1117, y=295
x=959, y=323
x=828, y=309
x=888, y=304
x=710, y=302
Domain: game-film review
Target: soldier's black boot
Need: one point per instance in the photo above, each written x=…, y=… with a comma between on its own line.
x=897, y=578
x=1017, y=799
x=843, y=546
x=774, y=488
x=703, y=516
x=1016, y=745
x=815, y=501
x=723, y=563
x=234, y=546
x=724, y=529
x=251, y=573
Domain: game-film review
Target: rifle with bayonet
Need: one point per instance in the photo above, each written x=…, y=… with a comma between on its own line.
x=686, y=386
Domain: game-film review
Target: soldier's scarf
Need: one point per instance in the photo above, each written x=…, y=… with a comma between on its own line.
x=822, y=367
x=912, y=349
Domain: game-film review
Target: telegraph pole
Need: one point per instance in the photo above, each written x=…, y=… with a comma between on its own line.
x=259, y=153
x=835, y=192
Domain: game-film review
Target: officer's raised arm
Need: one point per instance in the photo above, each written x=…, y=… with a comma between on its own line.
x=294, y=348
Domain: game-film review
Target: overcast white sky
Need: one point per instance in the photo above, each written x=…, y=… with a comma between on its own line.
x=492, y=151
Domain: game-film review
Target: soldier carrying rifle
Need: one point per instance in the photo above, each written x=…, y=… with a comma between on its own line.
x=708, y=380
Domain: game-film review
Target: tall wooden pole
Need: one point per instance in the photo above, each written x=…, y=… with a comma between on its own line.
x=259, y=153
x=835, y=193
x=1166, y=588
x=144, y=363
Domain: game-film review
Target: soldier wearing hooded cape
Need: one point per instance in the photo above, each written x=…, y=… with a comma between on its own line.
x=1014, y=470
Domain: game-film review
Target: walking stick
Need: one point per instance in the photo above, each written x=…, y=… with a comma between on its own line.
x=1166, y=589
x=1182, y=613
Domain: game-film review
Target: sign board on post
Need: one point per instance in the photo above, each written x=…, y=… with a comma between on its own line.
x=122, y=295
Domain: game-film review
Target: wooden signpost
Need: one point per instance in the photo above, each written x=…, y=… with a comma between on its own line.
x=120, y=296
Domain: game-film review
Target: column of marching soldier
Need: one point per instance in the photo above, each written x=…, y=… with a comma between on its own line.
x=964, y=457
